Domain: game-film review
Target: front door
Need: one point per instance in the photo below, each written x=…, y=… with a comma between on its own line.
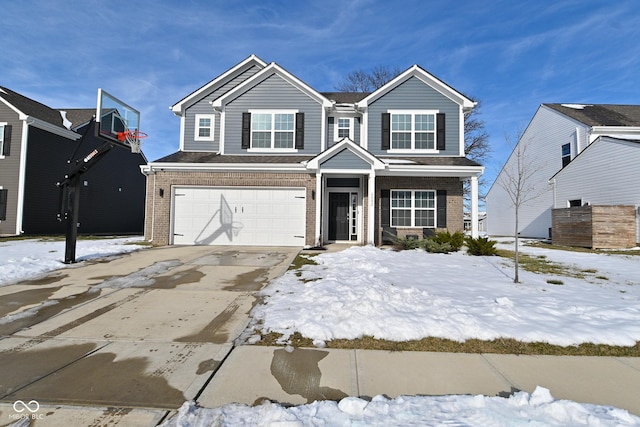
x=338, y=216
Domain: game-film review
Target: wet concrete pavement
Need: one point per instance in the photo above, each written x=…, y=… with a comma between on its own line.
x=133, y=336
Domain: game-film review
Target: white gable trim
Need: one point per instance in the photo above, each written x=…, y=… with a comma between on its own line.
x=427, y=78
x=178, y=107
x=272, y=68
x=346, y=143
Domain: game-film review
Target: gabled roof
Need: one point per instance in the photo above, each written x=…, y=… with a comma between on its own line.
x=28, y=107
x=269, y=70
x=218, y=81
x=78, y=116
x=345, y=97
x=345, y=144
x=426, y=77
x=601, y=114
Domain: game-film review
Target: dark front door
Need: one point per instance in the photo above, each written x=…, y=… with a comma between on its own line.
x=338, y=216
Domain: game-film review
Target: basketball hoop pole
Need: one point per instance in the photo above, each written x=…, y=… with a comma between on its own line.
x=70, y=192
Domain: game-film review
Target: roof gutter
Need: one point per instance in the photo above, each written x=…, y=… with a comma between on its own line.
x=50, y=127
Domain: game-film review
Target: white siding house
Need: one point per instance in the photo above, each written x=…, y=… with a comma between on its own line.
x=613, y=170
x=554, y=140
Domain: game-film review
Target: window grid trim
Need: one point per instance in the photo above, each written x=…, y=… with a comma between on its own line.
x=272, y=131
x=393, y=196
x=432, y=115
x=204, y=122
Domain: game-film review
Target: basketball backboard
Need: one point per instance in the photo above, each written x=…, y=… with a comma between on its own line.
x=115, y=120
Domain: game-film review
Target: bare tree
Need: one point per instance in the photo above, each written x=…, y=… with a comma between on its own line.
x=518, y=179
x=368, y=81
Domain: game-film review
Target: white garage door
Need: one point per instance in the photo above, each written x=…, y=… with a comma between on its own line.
x=239, y=216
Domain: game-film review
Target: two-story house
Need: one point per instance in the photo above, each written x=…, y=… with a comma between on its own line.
x=567, y=165
x=265, y=159
x=36, y=142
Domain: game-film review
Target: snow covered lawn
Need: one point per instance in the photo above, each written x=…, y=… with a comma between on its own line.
x=409, y=295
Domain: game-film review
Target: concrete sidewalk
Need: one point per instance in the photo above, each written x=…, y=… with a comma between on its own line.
x=251, y=374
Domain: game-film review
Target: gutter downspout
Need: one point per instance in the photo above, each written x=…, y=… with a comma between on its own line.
x=22, y=178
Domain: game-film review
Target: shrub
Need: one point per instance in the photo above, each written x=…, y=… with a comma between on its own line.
x=431, y=245
x=481, y=246
x=455, y=240
x=406, y=243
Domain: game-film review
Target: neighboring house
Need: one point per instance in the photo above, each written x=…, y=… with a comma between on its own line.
x=482, y=222
x=265, y=159
x=612, y=166
x=578, y=154
x=36, y=142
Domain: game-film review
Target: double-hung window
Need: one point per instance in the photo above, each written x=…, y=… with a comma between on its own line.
x=204, y=127
x=343, y=128
x=413, y=130
x=566, y=154
x=413, y=208
x=273, y=130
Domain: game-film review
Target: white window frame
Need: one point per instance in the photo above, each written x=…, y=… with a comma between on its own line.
x=413, y=208
x=211, y=127
x=413, y=148
x=272, y=148
x=336, y=128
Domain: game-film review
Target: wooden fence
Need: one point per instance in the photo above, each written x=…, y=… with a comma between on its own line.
x=597, y=227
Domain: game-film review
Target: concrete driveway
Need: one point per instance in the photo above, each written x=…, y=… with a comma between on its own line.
x=142, y=330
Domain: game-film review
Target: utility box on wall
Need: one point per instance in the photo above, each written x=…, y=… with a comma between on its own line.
x=597, y=227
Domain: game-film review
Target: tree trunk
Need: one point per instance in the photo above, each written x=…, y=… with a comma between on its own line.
x=516, y=279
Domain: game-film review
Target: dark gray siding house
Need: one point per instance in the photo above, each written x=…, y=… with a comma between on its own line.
x=36, y=147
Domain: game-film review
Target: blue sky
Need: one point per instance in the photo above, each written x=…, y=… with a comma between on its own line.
x=511, y=55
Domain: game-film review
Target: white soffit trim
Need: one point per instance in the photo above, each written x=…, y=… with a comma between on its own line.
x=270, y=69
x=227, y=167
x=346, y=143
x=428, y=170
x=177, y=108
x=427, y=78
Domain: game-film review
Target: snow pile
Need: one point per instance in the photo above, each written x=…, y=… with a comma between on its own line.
x=25, y=259
x=537, y=408
x=398, y=296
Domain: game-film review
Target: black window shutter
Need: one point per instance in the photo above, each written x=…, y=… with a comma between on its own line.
x=386, y=131
x=388, y=233
x=246, y=130
x=3, y=204
x=440, y=132
x=299, y=144
x=7, y=141
x=441, y=215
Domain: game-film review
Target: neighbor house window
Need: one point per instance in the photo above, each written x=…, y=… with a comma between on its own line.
x=566, y=154
x=204, y=127
x=413, y=208
x=343, y=128
x=413, y=130
x=274, y=130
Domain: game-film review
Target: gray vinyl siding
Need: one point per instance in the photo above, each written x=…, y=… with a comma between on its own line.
x=273, y=93
x=203, y=106
x=345, y=159
x=10, y=169
x=414, y=94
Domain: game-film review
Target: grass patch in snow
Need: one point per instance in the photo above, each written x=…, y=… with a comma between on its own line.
x=442, y=345
x=546, y=245
x=541, y=265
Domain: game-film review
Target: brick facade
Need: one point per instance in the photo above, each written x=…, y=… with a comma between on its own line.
x=453, y=187
x=159, y=185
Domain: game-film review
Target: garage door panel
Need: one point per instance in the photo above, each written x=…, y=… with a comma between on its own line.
x=260, y=216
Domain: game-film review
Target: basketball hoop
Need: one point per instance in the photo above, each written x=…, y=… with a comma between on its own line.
x=236, y=227
x=133, y=137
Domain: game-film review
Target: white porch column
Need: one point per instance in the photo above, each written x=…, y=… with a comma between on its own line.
x=474, y=207
x=319, y=239
x=371, y=213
